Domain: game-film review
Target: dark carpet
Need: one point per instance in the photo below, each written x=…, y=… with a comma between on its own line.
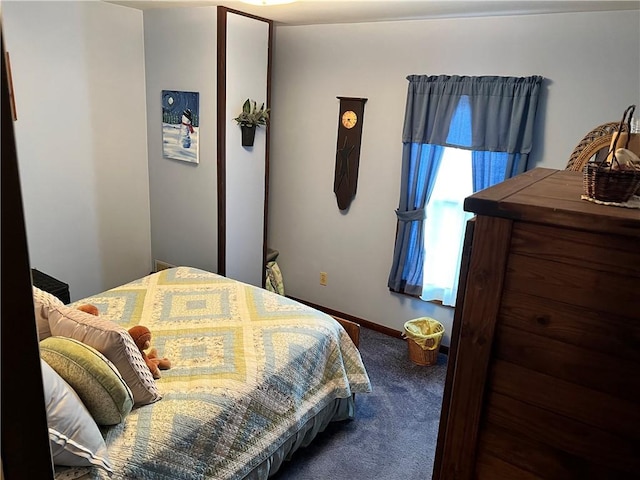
x=395, y=431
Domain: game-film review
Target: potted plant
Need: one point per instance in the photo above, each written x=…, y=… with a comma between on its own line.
x=250, y=118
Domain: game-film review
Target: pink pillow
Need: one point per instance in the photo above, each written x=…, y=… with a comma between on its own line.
x=111, y=340
x=42, y=302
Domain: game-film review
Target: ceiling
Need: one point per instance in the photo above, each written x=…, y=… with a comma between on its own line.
x=310, y=12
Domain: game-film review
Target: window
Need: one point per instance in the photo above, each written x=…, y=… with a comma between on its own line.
x=445, y=225
x=461, y=135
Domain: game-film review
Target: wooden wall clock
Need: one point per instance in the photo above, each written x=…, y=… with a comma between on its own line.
x=350, y=122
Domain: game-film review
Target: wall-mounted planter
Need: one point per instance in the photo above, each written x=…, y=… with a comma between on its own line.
x=248, y=135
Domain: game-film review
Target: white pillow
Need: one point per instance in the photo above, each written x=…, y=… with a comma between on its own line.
x=112, y=341
x=42, y=303
x=74, y=437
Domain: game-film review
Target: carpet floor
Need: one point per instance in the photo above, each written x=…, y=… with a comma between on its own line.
x=395, y=431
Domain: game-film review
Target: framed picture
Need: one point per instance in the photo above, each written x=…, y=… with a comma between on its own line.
x=180, y=125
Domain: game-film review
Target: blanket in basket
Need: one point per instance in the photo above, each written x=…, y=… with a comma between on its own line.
x=249, y=368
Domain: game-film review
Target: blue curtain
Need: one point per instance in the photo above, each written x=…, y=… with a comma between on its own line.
x=502, y=110
x=502, y=120
x=488, y=168
x=420, y=167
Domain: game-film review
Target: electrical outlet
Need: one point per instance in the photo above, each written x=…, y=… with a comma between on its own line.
x=323, y=279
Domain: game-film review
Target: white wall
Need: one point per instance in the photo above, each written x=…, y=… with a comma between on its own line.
x=78, y=73
x=246, y=77
x=592, y=65
x=180, y=54
x=79, y=67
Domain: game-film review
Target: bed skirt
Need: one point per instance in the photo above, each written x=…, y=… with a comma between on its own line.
x=339, y=410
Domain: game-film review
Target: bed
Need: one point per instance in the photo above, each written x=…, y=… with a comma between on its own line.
x=254, y=376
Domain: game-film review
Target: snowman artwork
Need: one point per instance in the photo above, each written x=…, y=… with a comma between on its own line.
x=180, y=129
x=186, y=129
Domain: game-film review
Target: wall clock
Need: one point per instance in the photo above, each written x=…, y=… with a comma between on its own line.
x=348, y=149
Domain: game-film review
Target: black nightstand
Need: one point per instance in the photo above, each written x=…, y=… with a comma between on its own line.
x=52, y=285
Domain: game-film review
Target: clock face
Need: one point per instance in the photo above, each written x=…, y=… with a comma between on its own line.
x=349, y=119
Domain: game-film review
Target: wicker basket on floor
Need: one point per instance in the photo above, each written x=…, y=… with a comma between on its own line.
x=423, y=336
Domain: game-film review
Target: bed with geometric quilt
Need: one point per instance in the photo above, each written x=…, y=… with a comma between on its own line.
x=254, y=376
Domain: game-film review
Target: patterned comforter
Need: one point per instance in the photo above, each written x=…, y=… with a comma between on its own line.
x=249, y=368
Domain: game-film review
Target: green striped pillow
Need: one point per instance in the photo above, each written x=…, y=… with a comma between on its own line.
x=93, y=377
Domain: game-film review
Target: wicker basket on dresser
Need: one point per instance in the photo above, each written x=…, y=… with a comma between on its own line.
x=544, y=373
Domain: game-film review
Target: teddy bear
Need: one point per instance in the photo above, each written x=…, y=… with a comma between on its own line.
x=88, y=308
x=142, y=337
x=163, y=363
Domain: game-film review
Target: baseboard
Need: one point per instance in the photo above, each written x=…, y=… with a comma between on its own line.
x=361, y=321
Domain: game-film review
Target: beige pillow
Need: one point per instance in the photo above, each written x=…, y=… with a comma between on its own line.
x=93, y=377
x=114, y=342
x=42, y=302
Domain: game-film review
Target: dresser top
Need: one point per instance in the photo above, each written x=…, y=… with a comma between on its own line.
x=552, y=197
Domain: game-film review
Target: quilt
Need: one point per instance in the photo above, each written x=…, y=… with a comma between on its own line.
x=249, y=368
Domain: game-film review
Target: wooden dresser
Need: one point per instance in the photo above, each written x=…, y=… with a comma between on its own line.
x=544, y=373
